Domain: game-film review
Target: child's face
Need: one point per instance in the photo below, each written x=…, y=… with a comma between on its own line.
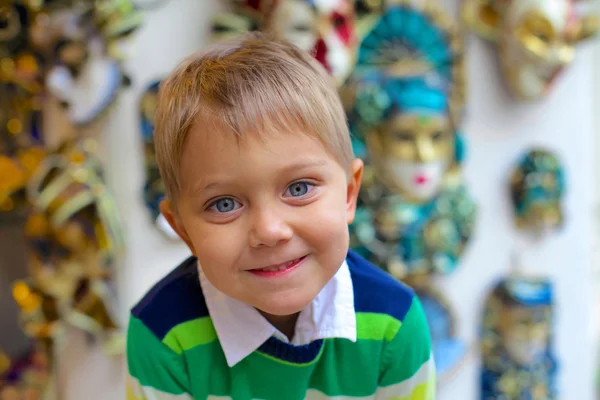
x=280, y=202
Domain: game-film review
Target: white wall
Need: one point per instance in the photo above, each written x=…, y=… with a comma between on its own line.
x=498, y=129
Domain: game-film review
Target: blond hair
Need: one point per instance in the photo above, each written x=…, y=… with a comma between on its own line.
x=249, y=84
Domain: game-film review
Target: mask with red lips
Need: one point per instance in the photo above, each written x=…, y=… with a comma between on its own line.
x=323, y=27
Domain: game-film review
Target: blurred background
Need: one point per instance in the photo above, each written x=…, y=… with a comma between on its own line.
x=81, y=240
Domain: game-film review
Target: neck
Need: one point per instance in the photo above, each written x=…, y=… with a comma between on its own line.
x=286, y=324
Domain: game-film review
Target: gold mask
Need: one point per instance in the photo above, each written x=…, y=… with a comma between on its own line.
x=536, y=38
x=413, y=152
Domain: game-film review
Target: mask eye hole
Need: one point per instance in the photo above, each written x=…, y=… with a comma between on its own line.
x=338, y=21
x=301, y=27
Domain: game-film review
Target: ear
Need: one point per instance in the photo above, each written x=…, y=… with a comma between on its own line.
x=354, y=179
x=482, y=18
x=174, y=220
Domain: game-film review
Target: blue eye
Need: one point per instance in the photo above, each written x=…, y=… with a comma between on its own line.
x=298, y=189
x=225, y=205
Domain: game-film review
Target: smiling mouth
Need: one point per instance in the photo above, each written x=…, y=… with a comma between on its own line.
x=278, y=269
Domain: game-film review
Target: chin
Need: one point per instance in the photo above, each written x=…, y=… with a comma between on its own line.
x=281, y=305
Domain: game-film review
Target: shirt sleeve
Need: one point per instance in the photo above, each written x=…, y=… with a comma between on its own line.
x=408, y=371
x=156, y=371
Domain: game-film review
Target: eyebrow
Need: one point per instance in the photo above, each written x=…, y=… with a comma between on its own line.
x=299, y=166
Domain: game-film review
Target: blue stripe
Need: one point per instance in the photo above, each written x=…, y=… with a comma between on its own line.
x=175, y=299
x=375, y=291
x=290, y=353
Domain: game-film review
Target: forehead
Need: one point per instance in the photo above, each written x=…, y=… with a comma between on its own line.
x=212, y=148
x=558, y=12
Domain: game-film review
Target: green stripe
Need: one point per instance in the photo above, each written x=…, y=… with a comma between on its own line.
x=152, y=363
x=356, y=366
x=209, y=371
x=190, y=334
x=372, y=326
x=410, y=348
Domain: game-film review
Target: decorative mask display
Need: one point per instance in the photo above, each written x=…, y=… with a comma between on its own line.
x=537, y=188
x=73, y=51
x=74, y=237
x=414, y=216
x=537, y=38
x=516, y=344
x=323, y=27
x=154, y=188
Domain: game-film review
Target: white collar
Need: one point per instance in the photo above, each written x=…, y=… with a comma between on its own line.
x=241, y=329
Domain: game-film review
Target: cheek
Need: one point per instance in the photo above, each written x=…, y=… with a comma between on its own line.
x=326, y=224
x=216, y=245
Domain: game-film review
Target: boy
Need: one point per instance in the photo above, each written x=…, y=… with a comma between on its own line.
x=253, y=146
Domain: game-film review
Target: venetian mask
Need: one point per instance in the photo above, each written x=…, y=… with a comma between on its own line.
x=87, y=72
x=325, y=28
x=415, y=144
x=537, y=188
x=536, y=38
x=74, y=235
x=518, y=360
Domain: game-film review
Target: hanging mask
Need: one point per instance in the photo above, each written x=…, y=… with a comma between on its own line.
x=154, y=189
x=325, y=28
x=322, y=27
x=414, y=146
x=408, y=100
x=83, y=79
x=74, y=235
x=516, y=343
x=414, y=213
x=87, y=47
x=537, y=188
x=537, y=38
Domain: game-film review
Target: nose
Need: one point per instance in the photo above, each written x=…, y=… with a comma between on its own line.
x=424, y=151
x=268, y=229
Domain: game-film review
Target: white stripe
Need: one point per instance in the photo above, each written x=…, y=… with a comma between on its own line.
x=402, y=389
x=405, y=388
x=313, y=394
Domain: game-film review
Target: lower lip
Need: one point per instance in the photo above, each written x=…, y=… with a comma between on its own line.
x=273, y=274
